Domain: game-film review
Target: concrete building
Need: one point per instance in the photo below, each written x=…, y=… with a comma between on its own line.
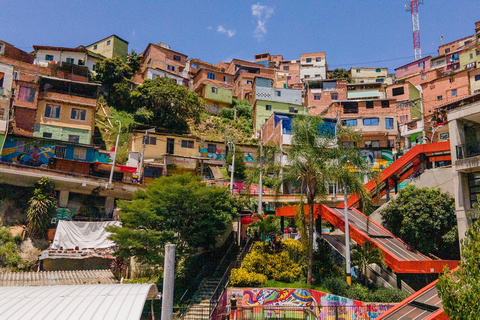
x=161, y=57
x=215, y=97
x=287, y=71
x=373, y=90
x=269, y=99
x=9, y=51
x=244, y=76
x=213, y=76
x=79, y=56
x=110, y=47
x=469, y=59
x=413, y=68
x=370, y=75
x=464, y=128
x=474, y=76
x=320, y=93
x=6, y=79
x=313, y=65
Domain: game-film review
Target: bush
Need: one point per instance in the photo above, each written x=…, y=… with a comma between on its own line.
x=388, y=295
x=243, y=278
x=296, y=251
x=226, y=113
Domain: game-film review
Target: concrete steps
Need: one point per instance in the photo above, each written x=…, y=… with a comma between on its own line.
x=200, y=307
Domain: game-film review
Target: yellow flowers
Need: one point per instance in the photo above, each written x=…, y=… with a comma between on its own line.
x=242, y=278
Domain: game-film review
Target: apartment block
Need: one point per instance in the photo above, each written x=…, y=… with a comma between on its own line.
x=6, y=79
x=321, y=93
x=469, y=59
x=9, y=51
x=373, y=90
x=474, y=76
x=110, y=47
x=244, y=77
x=413, y=68
x=313, y=65
x=214, y=77
x=370, y=75
x=269, y=99
x=287, y=71
x=79, y=56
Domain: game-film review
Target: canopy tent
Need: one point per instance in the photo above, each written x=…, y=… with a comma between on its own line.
x=80, y=302
x=72, y=234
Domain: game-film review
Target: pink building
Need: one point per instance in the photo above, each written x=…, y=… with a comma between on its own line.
x=418, y=66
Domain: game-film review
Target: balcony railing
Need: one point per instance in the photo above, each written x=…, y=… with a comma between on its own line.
x=468, y=150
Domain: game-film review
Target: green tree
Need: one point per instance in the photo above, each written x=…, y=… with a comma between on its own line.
x=363, y=256
x=460, y=289
x=133, y=61
x=41, y=208
x=9, y=257
x=177, y=209
x=166, y=104
x=340, y=73
x=240, y=166
x=110, y=72
x=425, y=219
x=265, y=226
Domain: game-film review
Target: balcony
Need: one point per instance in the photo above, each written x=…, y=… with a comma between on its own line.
x=468, y=150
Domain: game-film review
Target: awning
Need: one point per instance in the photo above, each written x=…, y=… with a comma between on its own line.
x=81, y=302
x=71, y=234
x=217, y=174
x=118, y=167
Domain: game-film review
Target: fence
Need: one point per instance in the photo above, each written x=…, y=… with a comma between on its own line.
x=365, y=312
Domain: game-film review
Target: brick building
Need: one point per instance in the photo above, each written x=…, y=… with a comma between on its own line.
x=320, y=93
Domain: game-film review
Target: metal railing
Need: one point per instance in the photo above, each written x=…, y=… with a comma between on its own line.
x=468, y=150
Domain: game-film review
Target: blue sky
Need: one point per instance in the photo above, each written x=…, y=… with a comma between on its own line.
x=350, y=32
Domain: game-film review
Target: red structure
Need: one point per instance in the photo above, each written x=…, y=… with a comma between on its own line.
x=413, y=7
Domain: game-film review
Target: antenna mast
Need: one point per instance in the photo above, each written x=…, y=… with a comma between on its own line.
x=413, y=7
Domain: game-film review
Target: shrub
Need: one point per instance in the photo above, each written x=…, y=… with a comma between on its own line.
x=388, y=295
x=296, y=251
x=242, y=278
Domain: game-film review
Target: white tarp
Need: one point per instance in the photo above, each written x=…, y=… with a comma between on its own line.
x=71, y=234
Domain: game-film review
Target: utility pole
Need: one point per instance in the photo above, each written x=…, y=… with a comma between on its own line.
x=260, y=183
x=231, y=142
x=347, y=236
x=115, y=153
x=145, y=140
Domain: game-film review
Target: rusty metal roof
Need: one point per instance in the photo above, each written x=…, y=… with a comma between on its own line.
x=51, y=278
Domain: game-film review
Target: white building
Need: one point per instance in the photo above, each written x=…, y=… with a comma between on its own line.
x=76, y=56
x=6, y=79
x=313, y=65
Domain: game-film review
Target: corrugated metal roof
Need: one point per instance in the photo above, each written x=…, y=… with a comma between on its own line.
x=52, y=278
x=99, y=302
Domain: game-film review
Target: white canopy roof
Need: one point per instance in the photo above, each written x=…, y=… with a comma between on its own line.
x=82, y=302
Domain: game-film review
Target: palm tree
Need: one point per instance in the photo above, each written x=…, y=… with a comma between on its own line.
x=363, y=256
x=265, y=226
x=41, y=208
x=308, y=158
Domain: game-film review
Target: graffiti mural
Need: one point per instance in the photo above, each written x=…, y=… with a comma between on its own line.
x=275, y=303
x=27, y=152
x=219, y=154
x=379, y=159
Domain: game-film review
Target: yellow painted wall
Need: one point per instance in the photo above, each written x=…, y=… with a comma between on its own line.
x=156, y=151
x=65, y=116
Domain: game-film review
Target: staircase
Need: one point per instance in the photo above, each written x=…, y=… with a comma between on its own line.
x=200, y=307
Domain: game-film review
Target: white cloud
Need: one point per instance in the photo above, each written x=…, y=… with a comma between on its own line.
x=229, y=33
x=262, y=14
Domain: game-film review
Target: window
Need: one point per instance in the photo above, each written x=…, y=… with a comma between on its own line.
x=70, y=61
x=348, y=144
x=372, y=144
x=214, y=90
x=357, y=70
x=193, y=65
x=47, y=134
x=78, y=114
x=471, y=55
x=477, y=77
x=403, y=118
x=59, y=151
x=289, y=77
x=391, y=143
x=177, y=58
x=249, y=82
x=268, y=107
x=369, y=104
x=108, y=42
x=318, y=75
x=317, y=96
x=330, y=86
x=2, y=75
x=370, y=122
x=211, y=75
x=52, y=111
x=73, y=138
x=350, y=107
x=81, y=62
x=278, y=93
x=211, y=148
x=439, y=98
x=171, y=68
x=150, y=140
x=398, y=91
x=350, y=122
x=424, y=76
x=389, y=123
x=170, y=145
x=49, y=57
x=454, y=92
x=444, y=135
x=318, y=59
x=380, y=80
x=15, y=75
x=225, y=78
x=187, y=144
x=80, y=153
x=293, y=110
x=286, y=68
x=447, y=50
x=95, y=47
x=309, y=59
x=306, y=76
x=378, y=70
x=385, y=104
x=334, y=96
x=405, y=68
x=421, y=64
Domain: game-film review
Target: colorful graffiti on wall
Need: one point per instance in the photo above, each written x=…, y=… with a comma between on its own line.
x=219, y=154
x=25, y=152
x=379, y=159
x=318, y=305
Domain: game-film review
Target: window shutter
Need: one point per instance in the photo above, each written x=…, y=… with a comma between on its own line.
x=82, y=115
x=47, y=110
x=57, y=112
x=74, y=114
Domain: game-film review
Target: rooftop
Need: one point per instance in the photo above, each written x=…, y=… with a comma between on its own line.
x=51, y=278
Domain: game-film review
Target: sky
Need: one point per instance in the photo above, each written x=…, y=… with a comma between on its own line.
x=353, y=33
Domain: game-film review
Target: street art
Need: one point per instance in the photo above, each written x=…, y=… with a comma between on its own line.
x=29, y=153
x=378, y=163
x=219, y=154
x=102, y=157
x=275, y=303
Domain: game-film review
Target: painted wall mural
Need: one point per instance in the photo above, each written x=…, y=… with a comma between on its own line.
x=379, y=159
x=219, y=154
x=27, y=152
x=301, y=304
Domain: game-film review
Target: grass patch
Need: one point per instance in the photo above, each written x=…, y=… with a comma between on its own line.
x=293, y=285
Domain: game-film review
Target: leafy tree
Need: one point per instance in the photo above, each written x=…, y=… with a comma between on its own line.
x=265, y=226
x=111, y=72
x=362, y=256
x=166, y=104
x=425, y=219
x=340, y=73
x=41, y=208
x=243, y=107
x=177, y=209
x=133, y=61
x=9, y=257
x=240, y=166
x=460, y=289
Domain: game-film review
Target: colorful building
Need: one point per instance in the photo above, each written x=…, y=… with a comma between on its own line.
x=215, y=97
x=370, y=75
x=320, y=93
x=313, y=65
x=110, y=47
